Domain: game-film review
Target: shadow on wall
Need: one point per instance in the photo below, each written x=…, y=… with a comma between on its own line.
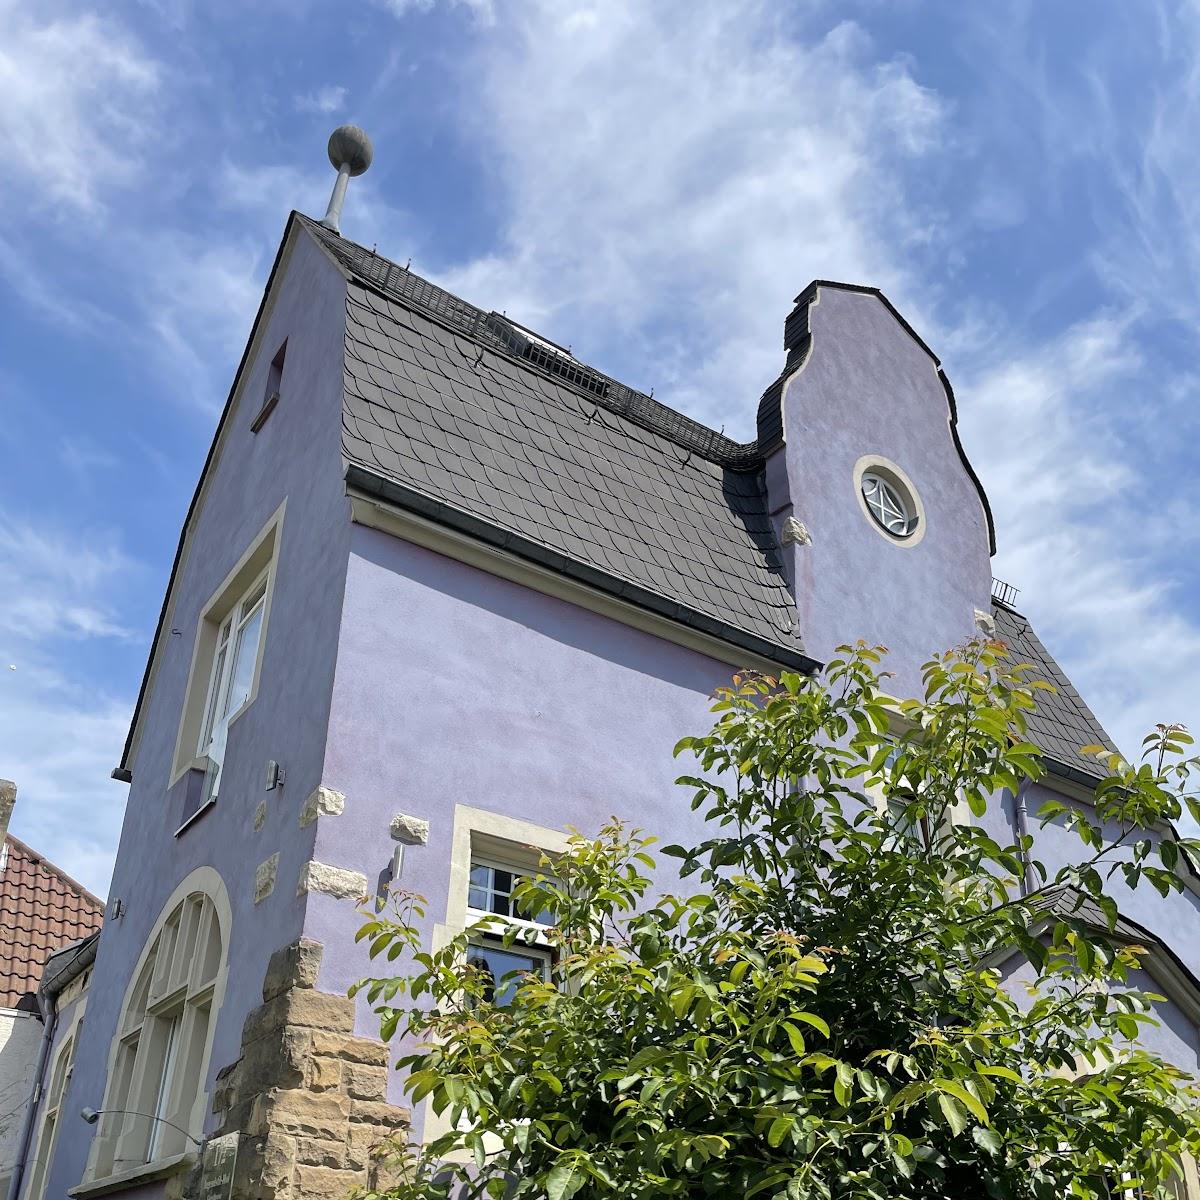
x=559, y=620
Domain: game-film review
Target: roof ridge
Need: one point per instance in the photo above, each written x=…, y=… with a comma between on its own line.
x=42, y=861
x=394, y=282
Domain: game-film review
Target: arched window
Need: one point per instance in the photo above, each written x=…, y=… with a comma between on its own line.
x=52, y=1116
x=156, y=1080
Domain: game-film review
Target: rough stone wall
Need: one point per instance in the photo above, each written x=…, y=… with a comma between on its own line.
x=307, y=1098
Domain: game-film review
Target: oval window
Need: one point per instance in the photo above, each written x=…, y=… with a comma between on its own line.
x=890, y=504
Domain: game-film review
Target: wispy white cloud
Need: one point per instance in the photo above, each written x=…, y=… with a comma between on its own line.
x=85, y=458
x=483, y=11
x=60, y=741
x=688, y=168
x=59, y=736
x=55, y=583
x=1076, y=528
x=328, y=99
x=75, y=117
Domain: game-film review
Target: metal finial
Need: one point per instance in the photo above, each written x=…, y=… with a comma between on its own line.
x=350, y=151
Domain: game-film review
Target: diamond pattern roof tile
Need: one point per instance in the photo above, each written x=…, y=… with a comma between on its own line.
x=1062, y=723
x=459, y=419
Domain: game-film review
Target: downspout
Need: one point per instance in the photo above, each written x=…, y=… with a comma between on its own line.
x=49, y=1012
x=1022, y=815
x=47, y=992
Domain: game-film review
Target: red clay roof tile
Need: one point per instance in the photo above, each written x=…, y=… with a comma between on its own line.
x=42, y=909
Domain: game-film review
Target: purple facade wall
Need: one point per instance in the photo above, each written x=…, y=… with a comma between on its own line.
x=455, y=686
x=868, y=387
x=296, y=456
x=411, y=682
x=1173, y=919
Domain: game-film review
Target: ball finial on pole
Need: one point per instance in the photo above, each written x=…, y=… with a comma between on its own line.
x=350, y=151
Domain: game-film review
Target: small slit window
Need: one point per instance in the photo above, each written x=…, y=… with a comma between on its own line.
x=274, y=385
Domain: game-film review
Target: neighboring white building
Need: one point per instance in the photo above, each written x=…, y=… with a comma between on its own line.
x=41, y=911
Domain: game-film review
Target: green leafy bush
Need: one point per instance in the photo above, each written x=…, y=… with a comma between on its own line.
x=818, y=1012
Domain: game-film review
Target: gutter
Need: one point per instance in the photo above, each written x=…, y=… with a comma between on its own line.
x=48, y=990
x=1074, y=774
x=380, y=487
x=1021, y=812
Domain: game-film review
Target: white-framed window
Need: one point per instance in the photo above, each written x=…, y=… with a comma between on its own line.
x=491, y=900
x=53, y=1115
x=155, y=1095
x=503, y=966
x=489, y=853
x=226, y=668
x=490, y=891
x=235, y=664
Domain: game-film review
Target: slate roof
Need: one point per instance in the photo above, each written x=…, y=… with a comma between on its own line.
x=41, y=910
x=463, y=416
x=502, y=431
x=1062, y=722
x=470, y=418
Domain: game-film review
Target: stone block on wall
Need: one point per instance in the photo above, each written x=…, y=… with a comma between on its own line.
x=307, y=1098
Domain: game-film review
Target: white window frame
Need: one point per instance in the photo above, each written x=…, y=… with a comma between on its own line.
x=55, y=1110
x=209, y=677
x=531, y=940
x=515, y=867
x=512, y=844
x=957, y=814
x=159, y=1057
x=220, y=707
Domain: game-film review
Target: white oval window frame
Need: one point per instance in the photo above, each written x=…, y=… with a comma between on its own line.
x=897, y=478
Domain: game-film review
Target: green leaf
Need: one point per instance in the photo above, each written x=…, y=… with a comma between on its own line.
x=998, y=1072
x=953, y=1112
x=987, y=1139
x=960, y=1093
x=795, y=1037
x=564, y=1179
x=780, y=1128
x=812, y=1019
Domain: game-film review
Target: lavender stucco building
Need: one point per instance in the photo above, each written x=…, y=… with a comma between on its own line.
x=444, y=590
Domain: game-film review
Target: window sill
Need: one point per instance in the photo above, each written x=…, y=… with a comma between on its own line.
x=150, y=1172
x=263, y=413
x=497, y=925
x=196, y=816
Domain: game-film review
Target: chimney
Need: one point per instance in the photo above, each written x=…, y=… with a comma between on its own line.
x=350, y=152
x=8, y=798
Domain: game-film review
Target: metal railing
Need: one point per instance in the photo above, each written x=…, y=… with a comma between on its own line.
x=1004, y=593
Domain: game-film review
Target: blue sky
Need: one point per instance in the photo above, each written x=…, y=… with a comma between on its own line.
x=650, y=182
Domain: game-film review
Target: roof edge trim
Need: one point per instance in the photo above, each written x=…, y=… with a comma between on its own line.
x=42, y=861
x=84, y=954
x=399, y=285
x=966, y=462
